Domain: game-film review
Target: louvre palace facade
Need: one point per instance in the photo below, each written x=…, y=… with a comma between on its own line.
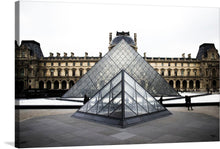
x=36, y=74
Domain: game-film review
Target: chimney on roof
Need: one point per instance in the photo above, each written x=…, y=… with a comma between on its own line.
x=183, y=55
x=58, y=54
x=86, y=54
x=72, y=54
x=189, y=55
x=135, y=38
x=110, y=38
x=51, y=54
x=100, y=54
x=144, y=55
x=65, y=54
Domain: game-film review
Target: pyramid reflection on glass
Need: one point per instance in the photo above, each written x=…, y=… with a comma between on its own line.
x=121, y=102
x=121, y=57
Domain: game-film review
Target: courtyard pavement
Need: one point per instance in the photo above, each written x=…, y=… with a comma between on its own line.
x=54, y=128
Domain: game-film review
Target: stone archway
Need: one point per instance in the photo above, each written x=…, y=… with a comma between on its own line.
x=184, y=84
x=41, y=85
x=56, y=85
x=197, y=84
x=171, y=83
x=177, y=84
x=71, y=83
x=48, y=84
x=63, y=84
x=191, y=84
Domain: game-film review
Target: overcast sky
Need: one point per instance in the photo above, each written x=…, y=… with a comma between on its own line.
x=162, y=31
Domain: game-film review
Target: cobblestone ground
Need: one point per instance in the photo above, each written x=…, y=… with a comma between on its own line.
x=56, y=127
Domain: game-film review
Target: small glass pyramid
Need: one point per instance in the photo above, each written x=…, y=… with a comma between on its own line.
x=121, y=57
x=123, y=101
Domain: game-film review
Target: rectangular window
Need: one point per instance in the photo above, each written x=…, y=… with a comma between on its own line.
x=58, y=72
x=182, y=72
x=88, y=63
x=175, y=72
x=188, y=64
x=51, y=72
x=45, y=72
x=73, y=63
x=175, y=64
x=52, y=64
x=80, y=72
x=162, y=72
x=81, y=63
x=59, y=64
x=161, y=64
x=182, y=64
x=168, y=64
x=22, y=54
x=66, y=63
x=169, y=73
x=44, y=63
x=188, y=73
x=66, y=72
x=74, y=72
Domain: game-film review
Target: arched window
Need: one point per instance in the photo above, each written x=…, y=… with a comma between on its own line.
x=66, y=72
x=175, y=72
x=80, y=72
x=162, y=72
x=73, y=72
x=177, y=84
x=22, y=72
x=48, y=85
x=213, y=72
x=41, y=85
x=169, y=72
x=56, y=85
x=191, y=84
x=71, y=83
x=214, y=84
x=197, y=84
x=63, y=85
x=171, y=83
x=184, y=84
x=59, y=72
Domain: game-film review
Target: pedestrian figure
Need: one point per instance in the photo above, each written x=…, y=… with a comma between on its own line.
x=188, y=102
x=86, y=99
x=161, y=100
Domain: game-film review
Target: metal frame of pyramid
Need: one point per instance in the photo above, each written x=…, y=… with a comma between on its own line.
x=122, y=56
x=121, y=102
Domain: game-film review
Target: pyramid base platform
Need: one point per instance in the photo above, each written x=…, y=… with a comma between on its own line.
x=119, y=122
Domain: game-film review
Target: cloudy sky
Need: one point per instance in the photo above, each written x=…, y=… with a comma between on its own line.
x=78, y=27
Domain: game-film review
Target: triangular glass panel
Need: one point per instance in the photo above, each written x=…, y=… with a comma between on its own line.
x=129, y=101
x=129, y=112
x=117, y=113
x=121, y=56
x=114, y=104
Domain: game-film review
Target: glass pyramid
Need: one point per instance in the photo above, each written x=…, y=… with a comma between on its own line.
x=121, y=57
x=122, y=101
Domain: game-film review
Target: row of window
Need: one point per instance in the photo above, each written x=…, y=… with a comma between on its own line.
x=66, y=72
x=67, y=64
x=176, y=72
x=175, y=64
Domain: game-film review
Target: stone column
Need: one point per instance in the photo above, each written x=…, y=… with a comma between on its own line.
x=181, y=84
x=45, y=85
x=52, y=85
x=67, y=84
x=194, y=84
x=174, y=84
x=60, y=85
x=187, y=86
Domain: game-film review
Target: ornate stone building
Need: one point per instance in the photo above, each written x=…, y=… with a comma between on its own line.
x=36, y=73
